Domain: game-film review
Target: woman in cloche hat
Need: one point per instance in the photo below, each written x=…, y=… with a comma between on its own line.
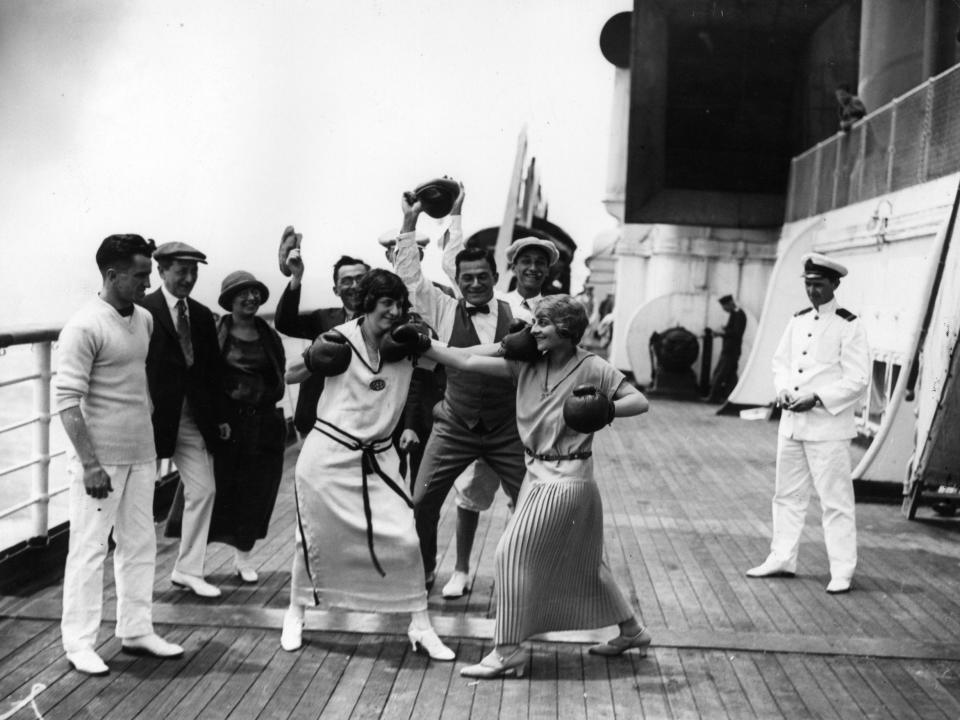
x=249, y=465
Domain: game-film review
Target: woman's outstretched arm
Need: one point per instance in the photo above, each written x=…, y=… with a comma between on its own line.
x=296, y=372
x=463, y=359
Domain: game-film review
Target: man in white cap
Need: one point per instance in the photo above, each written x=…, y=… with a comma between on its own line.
x=530, y=261
x=820, y=373
x=183, y=369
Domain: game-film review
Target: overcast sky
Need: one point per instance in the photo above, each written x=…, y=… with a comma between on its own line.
x=219, y=122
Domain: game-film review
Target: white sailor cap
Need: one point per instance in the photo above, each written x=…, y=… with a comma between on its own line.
x=817, y=265
x=389, y=238
x=548, y=247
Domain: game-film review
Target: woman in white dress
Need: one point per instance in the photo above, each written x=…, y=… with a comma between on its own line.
x=355, y=515
x=550, y=571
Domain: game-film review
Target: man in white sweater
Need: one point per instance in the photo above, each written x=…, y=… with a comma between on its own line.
x=101, y=393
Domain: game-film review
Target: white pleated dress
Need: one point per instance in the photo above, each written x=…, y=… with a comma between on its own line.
x=361, y=407
x=550, y=571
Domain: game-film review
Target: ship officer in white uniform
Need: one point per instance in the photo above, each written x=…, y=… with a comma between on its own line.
x=820, y=374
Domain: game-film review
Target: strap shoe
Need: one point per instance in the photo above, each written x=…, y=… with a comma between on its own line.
x=428, y=641
x=620, y=644
x=495, y=665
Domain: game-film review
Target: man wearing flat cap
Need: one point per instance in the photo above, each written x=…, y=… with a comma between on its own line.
x=477, y=416
x=820, y=373
x=725, y=373
x=183, y=369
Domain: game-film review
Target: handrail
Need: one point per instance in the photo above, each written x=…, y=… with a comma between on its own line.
x=43, y=338
x=910, y=140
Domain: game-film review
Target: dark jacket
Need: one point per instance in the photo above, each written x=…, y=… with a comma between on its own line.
x=170, y=380
x=308, y=326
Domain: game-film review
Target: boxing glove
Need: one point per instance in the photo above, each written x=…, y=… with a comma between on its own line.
x=405, y=339
x=519, y=344
x=587, y=410
x=329, y=354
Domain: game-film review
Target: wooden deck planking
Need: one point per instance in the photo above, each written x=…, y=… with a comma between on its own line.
x=681, y=528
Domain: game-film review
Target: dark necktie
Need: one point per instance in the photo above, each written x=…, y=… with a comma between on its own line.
x=474, y=309
x=183, y=331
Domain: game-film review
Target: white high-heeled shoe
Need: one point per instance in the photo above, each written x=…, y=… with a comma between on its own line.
x=428, y=641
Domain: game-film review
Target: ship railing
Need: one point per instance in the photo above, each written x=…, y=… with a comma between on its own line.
x=909, y=141
x=27, y=517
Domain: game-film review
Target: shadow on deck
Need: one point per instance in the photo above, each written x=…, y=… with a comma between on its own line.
x=687, y=499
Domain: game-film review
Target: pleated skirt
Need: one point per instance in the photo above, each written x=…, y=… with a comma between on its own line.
x=550, y=570
x=330, y=503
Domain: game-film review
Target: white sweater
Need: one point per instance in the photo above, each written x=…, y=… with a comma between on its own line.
x=102, y=368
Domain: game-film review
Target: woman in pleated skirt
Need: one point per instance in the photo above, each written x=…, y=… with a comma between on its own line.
x=550, y=571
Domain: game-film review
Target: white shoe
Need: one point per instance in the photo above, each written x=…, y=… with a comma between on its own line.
x=152, y=645
x=837, y=586
x=197, y=585
x=457, y=586
x=291, y=637
x=247, y=575
x=87, y=662
x=771, y=567
x=428, y=640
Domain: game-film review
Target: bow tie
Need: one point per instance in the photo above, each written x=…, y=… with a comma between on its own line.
x=474, y=309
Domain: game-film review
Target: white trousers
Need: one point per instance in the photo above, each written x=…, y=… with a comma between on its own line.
x=195, y=464
x=824, y=466
x=128, y=509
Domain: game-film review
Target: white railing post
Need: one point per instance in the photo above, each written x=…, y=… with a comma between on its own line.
x=41, y=442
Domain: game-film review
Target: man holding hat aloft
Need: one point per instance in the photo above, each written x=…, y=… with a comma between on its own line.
x=183, y=370
x=820, y=373
x=347, y=272
x=477, y=416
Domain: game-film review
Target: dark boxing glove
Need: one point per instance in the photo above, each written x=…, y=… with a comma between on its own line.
x=406, y=339
x=587, y=410
x=329, y=354
x=519, y=343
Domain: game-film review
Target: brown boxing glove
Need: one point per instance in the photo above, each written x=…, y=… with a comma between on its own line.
x=587, y=410
x=519, y=344
x=329, y=355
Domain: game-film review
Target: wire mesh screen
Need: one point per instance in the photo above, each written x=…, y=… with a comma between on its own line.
x=803, y=183
x=909, y=141
x=828, y=167
x=913, y=139
x=848, y=172
x=876, y=145
x=944, y=156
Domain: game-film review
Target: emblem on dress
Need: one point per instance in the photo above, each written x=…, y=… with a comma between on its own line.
x=377, y=384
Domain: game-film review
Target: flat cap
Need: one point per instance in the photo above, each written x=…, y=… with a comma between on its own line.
x=389, y=238
x=179, y=251
x=553, y=255
x=817, y=265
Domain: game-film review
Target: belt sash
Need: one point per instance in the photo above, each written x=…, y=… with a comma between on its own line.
x=549, y=457
x=368, y=466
